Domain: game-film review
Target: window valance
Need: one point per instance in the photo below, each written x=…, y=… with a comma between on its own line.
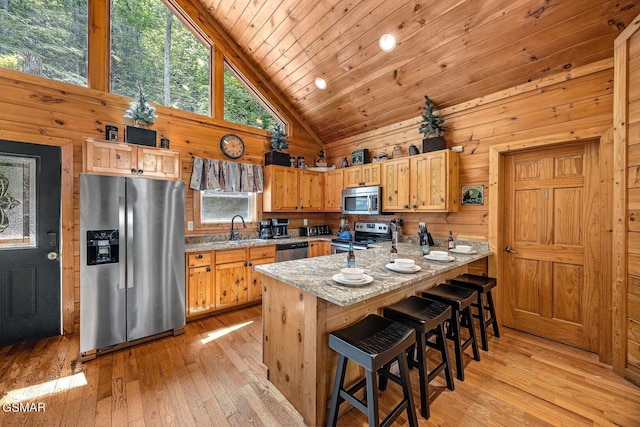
x=218, y=175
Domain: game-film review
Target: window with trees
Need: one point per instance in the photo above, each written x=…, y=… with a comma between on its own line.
x=243, y=104
x=45, y=38
x=153, y=49
x=219, y=207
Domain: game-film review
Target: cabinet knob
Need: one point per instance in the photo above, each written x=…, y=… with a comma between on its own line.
x=140, y=171
x=208, y=269
x=245, y=264
x=415, y=206
x=133, y=170
x=199, y=256
x=250, y=264
x=406, y=206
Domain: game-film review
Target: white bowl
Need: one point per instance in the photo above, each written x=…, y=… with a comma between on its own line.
x=439, y=254
x=463, y=248
x=405, y=263
x=352, y=273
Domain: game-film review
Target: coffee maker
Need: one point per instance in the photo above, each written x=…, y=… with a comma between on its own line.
x=264, y=229
x=280, y=227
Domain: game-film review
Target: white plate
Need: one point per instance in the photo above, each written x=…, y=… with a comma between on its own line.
x=471, y=252
x=447, y=259
x=339, y=278
x=395, y=268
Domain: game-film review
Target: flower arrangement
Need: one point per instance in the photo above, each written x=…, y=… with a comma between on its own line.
x=140, y=110
x=431, y=123
x=279, y=138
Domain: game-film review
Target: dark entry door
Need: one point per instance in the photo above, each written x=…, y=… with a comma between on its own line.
x=30, y=177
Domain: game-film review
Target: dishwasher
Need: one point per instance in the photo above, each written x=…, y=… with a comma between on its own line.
x=291, y=251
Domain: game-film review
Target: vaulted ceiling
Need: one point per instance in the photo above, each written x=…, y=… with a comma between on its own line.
x=450, y=50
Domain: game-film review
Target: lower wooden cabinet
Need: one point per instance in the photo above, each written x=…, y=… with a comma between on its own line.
x=220, y=280
x=319, y=248
x=199, y=284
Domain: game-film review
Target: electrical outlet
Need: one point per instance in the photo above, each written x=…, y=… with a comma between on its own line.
x=457, y=148
x=190, y=225
x=304, y=222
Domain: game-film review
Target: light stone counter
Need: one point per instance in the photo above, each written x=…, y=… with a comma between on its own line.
x=313, y=275
x=246, y=243
x=301, y=305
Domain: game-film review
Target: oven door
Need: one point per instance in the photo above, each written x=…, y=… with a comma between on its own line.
x=341, y=248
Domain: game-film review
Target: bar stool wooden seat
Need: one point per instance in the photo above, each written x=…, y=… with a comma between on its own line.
x=372, y=343
x=483, y=285
x=427, y=317
x=460, y=300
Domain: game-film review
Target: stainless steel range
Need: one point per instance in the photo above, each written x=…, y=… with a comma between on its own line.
x=365, y=234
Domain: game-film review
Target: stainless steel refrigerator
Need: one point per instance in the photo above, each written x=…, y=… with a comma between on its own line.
x=132, y=272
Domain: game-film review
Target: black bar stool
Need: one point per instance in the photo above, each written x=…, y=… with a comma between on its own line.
x=427, y=317
x=483, y=285
x=372, y=343
x=460, y=300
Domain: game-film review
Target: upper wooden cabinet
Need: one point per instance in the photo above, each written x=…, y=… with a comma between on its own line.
x=362, y=175
x=292, y=190
x=422, y=183
x=333, y=185
x=126, y=159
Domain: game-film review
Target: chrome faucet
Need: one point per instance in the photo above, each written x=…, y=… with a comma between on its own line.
x=235, y=234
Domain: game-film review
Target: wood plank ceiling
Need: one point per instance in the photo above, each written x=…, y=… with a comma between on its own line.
x=452, y=51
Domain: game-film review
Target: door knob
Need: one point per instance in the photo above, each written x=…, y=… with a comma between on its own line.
x=510, y=250
x=52, y=256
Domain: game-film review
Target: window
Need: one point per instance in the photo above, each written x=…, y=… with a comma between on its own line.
x=217, y=207
x=150, y=47
x=45, y=38
x=244, y=105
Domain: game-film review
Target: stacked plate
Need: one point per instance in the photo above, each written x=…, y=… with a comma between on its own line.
x=352, y=277
x=404, y=265
x=463, y=249
x=439, y=256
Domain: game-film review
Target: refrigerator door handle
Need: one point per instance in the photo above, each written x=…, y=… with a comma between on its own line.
x=121, y=225
x=129, y=244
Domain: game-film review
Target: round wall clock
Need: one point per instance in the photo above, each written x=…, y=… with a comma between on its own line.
x=232, y=146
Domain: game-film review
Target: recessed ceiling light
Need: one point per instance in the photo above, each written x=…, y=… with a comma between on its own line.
x=321, y=83
x=387, y=42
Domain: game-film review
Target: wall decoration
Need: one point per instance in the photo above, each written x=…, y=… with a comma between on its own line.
x=17, y=202
x=473, y=195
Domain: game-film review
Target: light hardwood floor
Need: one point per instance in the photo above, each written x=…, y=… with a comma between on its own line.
x=213, y=375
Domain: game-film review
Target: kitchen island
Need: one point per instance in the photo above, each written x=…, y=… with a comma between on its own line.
x=302, y=304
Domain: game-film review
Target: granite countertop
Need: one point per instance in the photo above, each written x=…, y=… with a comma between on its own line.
x=313, y=275
x=246, y=243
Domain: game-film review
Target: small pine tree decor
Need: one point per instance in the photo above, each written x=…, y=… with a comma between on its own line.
x=279, y=138
x=141, y=111
x=431, y=123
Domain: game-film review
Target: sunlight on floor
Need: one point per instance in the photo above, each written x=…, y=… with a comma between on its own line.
x=33, y=392
x=224, y=331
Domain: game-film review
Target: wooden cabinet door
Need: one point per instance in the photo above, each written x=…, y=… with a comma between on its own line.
x=311, y=190
x=108, y=157
x=280, y=189
x=371, y=174
x=199, y=291
x=158, y=163
x=396, y=185
x=353, y=176
x=319, y=248
x=255, y=279
x=429, y=184
x=333, y=185
x=231, y=284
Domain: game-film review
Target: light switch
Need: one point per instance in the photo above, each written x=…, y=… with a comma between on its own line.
x=190, y=225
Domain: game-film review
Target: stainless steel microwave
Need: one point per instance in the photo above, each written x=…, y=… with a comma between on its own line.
x=362, y=200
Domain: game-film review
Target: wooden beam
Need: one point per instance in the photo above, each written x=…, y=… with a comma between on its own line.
x=99, y=45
